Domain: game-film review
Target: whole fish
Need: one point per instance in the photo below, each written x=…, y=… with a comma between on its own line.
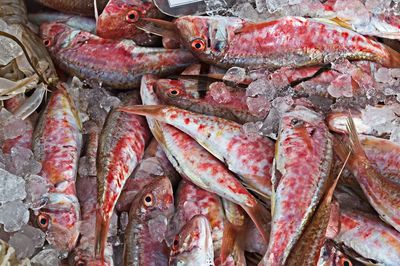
x=144, y=235
x=114, y=63
x=80, y=7
x=287, y=41
x=83, y=253
x=249, y=157
x=302, y=165
x=369, y=237
x=192, y=200
x=121, y=147
x=119, y=17
x=193, y=245
x=199, y=166
x=57, y=142
x=14, y=13
x=382, y=193
x=179, y=93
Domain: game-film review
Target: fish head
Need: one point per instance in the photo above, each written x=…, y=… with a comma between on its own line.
x=119, y=18
x=331, y=255
x=55, y=35
x=156, y=199
x=207, y=37
x=171, y=91
x=193, y=245
x=59, y=219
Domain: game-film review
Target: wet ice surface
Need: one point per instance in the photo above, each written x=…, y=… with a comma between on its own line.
x=46, y=257
x=12, y=187
x=36, y=191
x=26, y=240
x=21, y=161
x=13, y=215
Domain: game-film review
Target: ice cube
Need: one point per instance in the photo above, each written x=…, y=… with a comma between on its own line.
x=252, y=128
x=26, y=241
x=235, y=74
x=11, y=127
x=9, y=49
x=220, y=92
x=12, y=187
x=113, y=225
x=149, y=166
x=13, y=215
x=341, y=86
x=259, y=105
x=36, y=189
x=158, y=227
x=395, y=135
x=46, y=257
x=24, y=162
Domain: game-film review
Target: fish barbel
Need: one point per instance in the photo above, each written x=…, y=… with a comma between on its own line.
x=114, y=63
x=287, y=41
x=302, y=163
x=119, y=17
x=193, y=245
x=57, y=142
x=121, y=147
x=154, y=204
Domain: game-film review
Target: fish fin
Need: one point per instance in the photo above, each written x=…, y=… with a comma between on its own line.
x=262, y=195
x=394, y=58
x=249, y=26
x=337, y=21
x=261, y=218
x=355, y=143
x=96, y=11
x=231, y=244
x=101, y=233
x=153, y=111
x=158, y=133
x=21, y=85
x=157, y=27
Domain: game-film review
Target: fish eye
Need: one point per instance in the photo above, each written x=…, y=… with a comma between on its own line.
x=80, y=263
x=132, y=16
x=175, y=243
x=47, y=42
x=43, y=221
x=148, y=200
x=198, y=45
x=173, y=92
x=345, y=262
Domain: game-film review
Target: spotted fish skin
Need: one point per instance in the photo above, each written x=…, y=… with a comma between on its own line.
x=121, y=147
x=287, y=41
x=302, y=166
x=119, y=64
x=57, y=142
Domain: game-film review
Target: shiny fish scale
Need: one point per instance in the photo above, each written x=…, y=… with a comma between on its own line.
x=118, y=64
x=303, y=158
x=369, y=237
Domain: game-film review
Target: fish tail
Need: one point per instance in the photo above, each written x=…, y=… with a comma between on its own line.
x=261, y=218
x=393, y=58
x=231, y=244
x=102, y=225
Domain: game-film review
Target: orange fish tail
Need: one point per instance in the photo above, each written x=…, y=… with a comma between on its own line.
x=102, y=226
x=393, y=58
x=261, y=218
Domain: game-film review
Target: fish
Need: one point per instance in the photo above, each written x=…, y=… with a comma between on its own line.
x=383, y=194
x=302, y=164
x=333, y=256
x=79, y=7
x=74, y=21
x=192, y=200
x=84, y=55
x=121, y=147
x=179, y=93
x=83, y=253
x=119, y=17
x=14, y=13
x=193, y=245
x=197, y=165
x=153, y=205
x=369, y=237
x=57, y=142
x=285, y=42
x=249, y=157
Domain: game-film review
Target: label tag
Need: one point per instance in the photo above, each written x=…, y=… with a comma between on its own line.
x=175, y=3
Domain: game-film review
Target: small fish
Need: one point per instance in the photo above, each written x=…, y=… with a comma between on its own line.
x=369, y=237
x=179, y=93
x=249, y=157
x=57, y=142
x=301, y=169
x=121, y=147
x=152, y=206
x=287, y=41
x=193, y=245
x=83, y=253
x=114, y=63
x=80, y=7
x=192, y=200
x=382, y=193
x=119, y=17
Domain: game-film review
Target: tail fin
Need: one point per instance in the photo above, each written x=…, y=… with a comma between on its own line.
x=231, y=244
x=394, y=58
x=261, y=218
x=102, y=227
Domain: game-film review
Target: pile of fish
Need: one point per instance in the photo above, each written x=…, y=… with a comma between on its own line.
x=253, y=133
